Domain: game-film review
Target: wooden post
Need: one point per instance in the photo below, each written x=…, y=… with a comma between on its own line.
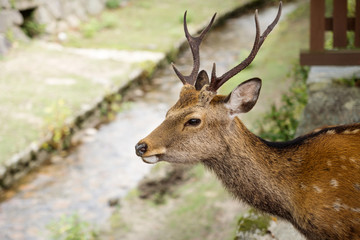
x=340, y=23
x=317, y=25
x=357, y=24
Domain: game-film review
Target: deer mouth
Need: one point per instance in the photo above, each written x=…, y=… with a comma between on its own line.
x=151, y=159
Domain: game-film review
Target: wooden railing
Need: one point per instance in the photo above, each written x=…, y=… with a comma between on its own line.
x=339, y=24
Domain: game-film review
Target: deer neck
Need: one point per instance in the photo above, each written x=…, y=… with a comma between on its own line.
x=254, y=172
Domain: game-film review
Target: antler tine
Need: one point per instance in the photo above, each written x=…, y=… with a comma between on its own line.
x=217, y=82
x=194, y=43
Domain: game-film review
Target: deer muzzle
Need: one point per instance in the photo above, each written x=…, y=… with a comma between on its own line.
x=147, y=153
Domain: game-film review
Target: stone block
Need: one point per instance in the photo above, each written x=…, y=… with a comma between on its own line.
x=5, y=45
x=75, y=8
x=7, y=181
x=27, y=4
x=51, y=27
x=8, y=18
x=331, y=106
x=16, y=17
x=5, y=4
x=43, y=16
x=19, y=34
x=73, y=21
x=61, y=26
x=321, y=77
x=2, y=171
x=55, y=8
x=94, y=7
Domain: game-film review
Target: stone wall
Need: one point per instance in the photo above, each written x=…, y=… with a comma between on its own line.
x=55, y=15
x=334, y=98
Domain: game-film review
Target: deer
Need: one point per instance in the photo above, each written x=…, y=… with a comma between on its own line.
x=313, y=181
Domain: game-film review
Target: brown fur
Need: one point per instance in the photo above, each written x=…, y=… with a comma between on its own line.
x=312, y=181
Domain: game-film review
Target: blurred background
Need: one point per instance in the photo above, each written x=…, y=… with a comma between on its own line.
x=81, y=81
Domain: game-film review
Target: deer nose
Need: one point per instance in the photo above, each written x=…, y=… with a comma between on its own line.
x=141, y=149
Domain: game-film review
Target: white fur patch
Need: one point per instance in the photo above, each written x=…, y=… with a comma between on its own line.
x=334, y=183
x=317, y=189
x=152, y=159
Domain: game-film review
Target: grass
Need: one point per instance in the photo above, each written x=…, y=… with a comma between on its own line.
x=275, y=61
x=35, y=81
x=71, y=227
x=154, y=24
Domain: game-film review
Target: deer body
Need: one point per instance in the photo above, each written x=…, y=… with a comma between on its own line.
x=312, y=181
x=318, y=194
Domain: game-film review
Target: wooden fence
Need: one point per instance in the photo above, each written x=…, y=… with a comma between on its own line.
x=339, y=24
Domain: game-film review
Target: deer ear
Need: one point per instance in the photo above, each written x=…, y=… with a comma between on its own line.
x=202, y=80
x=243, y=98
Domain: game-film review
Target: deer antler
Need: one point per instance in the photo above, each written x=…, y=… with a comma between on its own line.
x=194, y=43
x=217, y=82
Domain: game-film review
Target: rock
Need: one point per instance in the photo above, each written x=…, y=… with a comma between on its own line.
x=324, y=76
x=8, y=18
x=56, y=159
x=16, y=17
x=5, y=4
x=282, y=230
x=73, y=21
x=94, y=7
x=331, y=106
x=2, y=171
x=333, y=98
x=43, y=16
x=5, y=45
x=55, y=8
x=26, y=4
x=114, y=201
x=19, y=34
x=7, y=180
x=62, y=36
x=62, y=26
x=74, y=8
x=51, y=27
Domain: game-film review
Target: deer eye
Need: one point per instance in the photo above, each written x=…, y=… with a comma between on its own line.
x=193, y=122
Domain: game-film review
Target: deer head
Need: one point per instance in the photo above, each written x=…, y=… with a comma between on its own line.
x=198, y=126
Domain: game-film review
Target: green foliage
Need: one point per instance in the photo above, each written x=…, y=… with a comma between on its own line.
x=32, y=28
x=10, y=35
x=112, y=4
x=72, y=227
x=12, y=3
x=351, y=8
x=56, y=115
x=349, y=82
x=280, y=123
x=350, y=34
x=252, y=223
x=105, y=21
x=90, y=28
x=108, y=21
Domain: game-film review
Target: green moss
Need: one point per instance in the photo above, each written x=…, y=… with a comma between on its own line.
x=117, y=222
x=349, y=82
x=252, y=223
x=71, y=227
